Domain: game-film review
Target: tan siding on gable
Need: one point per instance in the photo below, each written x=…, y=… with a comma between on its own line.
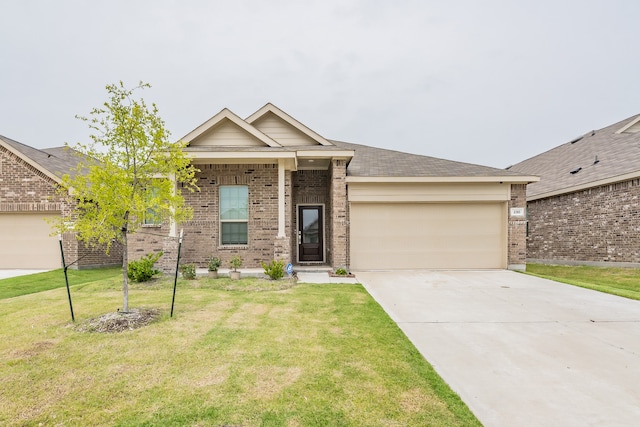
x=282, y=132
x=227, y=134
x=633, y=129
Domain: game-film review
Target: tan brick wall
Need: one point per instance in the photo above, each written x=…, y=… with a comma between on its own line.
x=201, y=234
x=595, y=225
x=517, y=252
x=339, y=215
x=24, y=188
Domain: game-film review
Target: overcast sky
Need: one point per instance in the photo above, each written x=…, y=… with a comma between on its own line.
x=491, y=82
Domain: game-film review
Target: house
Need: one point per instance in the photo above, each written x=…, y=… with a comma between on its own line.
x=271, y=188
x=586, y=207
x=29, y=179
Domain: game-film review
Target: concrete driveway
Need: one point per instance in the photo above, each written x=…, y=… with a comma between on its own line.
x=519, y=350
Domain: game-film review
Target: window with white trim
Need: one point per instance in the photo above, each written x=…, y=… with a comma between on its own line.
x=234, y=214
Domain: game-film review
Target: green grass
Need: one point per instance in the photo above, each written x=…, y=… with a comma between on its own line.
x=624, y=282
x=249, y=353
x=32, y=283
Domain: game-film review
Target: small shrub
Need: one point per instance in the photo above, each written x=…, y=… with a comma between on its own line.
x=142, y=270
x=341, y=271
x=235, y=262
x=275, y=269
x=188, y=271
x=214, y=264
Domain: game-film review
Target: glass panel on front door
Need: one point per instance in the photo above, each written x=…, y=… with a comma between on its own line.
x=310, y=229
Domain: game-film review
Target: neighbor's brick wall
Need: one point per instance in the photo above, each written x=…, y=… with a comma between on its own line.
x=600, y=224
x=517, y=240
x=24, y=188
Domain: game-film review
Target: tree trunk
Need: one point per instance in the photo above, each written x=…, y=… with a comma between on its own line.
x=125, y=268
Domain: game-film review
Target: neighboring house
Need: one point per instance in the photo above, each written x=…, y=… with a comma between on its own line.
x=271, y=188
x=586, y=207
x=28, y=181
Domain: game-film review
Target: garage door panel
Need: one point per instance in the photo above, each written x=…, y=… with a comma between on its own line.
x=25, y=242
x=427, y=235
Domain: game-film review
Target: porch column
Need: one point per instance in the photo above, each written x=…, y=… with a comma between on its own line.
x=281, y=205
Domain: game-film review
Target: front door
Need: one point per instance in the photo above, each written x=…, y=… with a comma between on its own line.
x=310, y=231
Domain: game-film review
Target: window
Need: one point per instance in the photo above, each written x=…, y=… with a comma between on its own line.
x=234, y=214
x=152, y=216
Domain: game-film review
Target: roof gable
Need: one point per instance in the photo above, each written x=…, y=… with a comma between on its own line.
x=283, y=128
x=226, y=129
x=53, y=162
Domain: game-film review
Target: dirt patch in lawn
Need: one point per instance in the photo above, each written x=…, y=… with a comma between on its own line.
x=120, y=321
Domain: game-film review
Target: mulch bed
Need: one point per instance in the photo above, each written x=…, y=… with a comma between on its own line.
x=120, y=321
x=332, y=274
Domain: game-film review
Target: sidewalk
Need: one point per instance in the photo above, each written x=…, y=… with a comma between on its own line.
x=303, y=276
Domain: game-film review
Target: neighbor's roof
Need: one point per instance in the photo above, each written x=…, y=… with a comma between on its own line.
x=599, y=157
x=378, y=162
x=54, y=162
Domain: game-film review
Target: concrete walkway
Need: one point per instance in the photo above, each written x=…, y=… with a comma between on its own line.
x=520, y=350
x=6, y=274
x=309, y=276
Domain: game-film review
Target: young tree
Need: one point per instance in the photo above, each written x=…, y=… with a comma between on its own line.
x=128, y=170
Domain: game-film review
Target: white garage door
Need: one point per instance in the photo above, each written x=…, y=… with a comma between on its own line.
x=25, y=242
x=428, y=235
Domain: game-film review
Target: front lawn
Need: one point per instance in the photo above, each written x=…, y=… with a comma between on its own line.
x=251, y=354
x=624, y=282
x=38, y=282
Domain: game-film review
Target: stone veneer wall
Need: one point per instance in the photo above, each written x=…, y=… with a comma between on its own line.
x=517, y=252
x=596, y=225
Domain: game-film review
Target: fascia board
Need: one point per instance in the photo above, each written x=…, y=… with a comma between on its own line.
x=606, y=181
x=225, y=113
x=269, y=107
x=317, y=154
x=31, y=162
x=504, y=179
x=631, y=123
x=240, y=155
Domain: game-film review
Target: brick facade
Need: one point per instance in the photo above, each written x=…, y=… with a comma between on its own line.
x=339, y=215
x=517, y=251
x=25, y=189
x=201, y=234
x=596, y=225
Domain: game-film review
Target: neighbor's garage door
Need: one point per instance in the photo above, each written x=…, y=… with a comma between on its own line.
x=25, y=242
x=428, y=235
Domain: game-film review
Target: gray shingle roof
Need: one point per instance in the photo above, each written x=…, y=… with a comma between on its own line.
x=379, y=162
x=617, y=154
x=57, y=161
